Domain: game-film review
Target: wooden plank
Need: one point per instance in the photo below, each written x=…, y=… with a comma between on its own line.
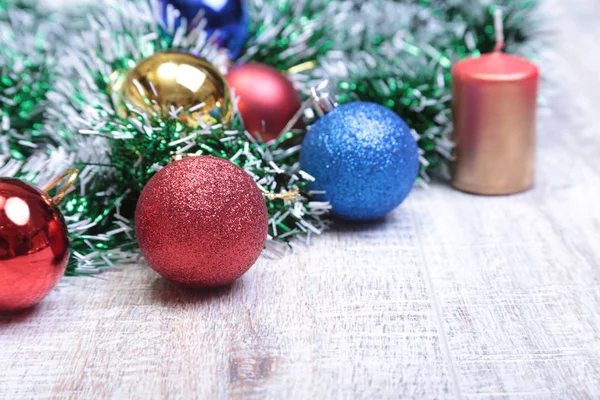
x=355, y=323
x=452, y=296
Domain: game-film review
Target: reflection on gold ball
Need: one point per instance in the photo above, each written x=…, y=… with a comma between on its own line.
x=175, y=82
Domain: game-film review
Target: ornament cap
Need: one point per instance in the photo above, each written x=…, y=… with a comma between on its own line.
x=323, y=98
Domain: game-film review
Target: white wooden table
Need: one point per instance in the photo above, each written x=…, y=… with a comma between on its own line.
x=453, y=296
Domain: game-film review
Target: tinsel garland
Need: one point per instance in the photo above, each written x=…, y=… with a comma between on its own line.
x=393, y=52
x=396, y=53
x=126, y=152
x=25, y=69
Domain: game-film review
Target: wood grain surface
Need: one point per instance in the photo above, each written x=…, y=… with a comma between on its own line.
x=451, y=297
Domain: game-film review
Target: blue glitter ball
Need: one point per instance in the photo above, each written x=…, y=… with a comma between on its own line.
x=229, y=17
x=365, y=158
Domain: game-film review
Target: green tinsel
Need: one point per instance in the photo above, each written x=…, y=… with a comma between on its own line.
x=396, y=53
x=25, y=63
x=118, y=156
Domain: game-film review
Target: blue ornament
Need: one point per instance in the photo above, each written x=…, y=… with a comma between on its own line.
x=229, y=17
x=365, y=159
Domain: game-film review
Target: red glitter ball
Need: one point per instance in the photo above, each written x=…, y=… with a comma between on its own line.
x=34, y=245
x=201, y=221
x=267, y=98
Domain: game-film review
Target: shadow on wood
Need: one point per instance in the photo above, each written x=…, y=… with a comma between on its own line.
x=171, y=294
x=18, y=317
x=346, y=226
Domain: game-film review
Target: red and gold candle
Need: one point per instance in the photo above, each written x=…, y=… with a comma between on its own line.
x=494, y=112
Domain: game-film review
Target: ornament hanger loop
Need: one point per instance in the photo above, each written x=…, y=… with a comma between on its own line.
x=303, y=67
x=72, y=174
x=291, y=195
x=179, y=157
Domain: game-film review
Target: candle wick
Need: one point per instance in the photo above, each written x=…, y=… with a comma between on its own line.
x=498, y=29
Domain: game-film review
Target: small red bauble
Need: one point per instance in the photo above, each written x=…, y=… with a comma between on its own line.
x=267, y=98
x=34, y=245
x=201, y=221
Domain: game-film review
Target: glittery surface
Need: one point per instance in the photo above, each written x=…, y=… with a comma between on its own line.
x=365, y=158
x=201, y=221
x=34, y=246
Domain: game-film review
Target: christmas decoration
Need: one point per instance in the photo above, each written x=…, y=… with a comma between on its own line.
x=495, y=107
x=392, y=52
x=397, y=53
x=201, y=221
x=25, y=78
x=34, y=246
x=227, y=18
x=174, y=80
x=363, y=158
x=267, y=99
x=118, y=156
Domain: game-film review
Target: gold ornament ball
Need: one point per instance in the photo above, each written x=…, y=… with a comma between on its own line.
x=174, y=80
